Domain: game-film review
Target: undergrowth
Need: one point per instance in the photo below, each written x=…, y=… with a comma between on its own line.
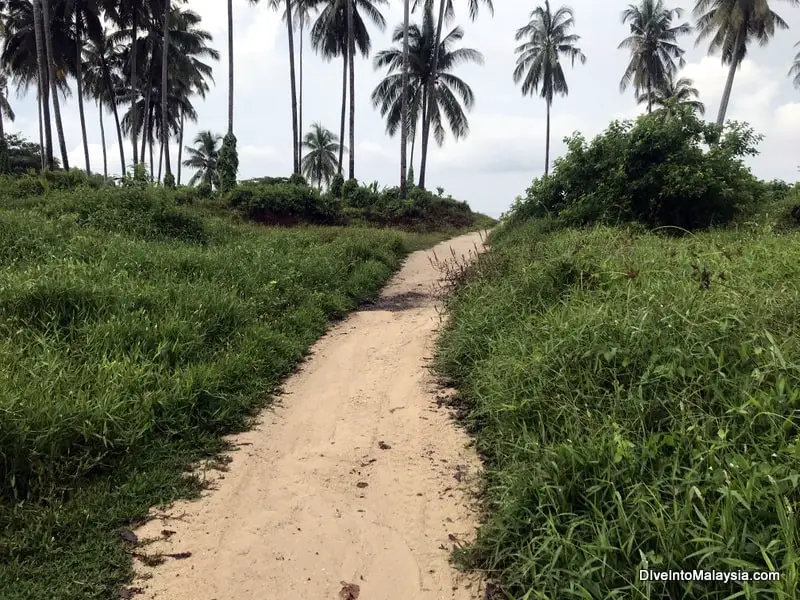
x=635, y=398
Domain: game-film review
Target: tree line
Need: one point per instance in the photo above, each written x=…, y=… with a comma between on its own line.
x=730, y=26
x=149, y=61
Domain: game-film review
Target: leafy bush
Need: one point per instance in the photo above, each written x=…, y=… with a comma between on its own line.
x=336, y=185
x=185, y=195
x=635, y=398
x=348, y=189
x=67, y=180
x=283, y=203
x=656, y=170
x=228, y=163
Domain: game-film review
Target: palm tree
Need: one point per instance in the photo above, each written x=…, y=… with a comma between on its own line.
x=43, y=80
x=276, y=5
x=302, y=17
x=165, y=53
x=672, y=93
x=795, y=70
x=731, y=25
x=102, y=79
x=446, y=10
x=230, y=78
x=539, y=60
x=48, y=39
x=203, y=157
x=443, y=100
x=8, y=112
x=329, y=36
x=404, y=114
x=320, y=163
x=653, y=46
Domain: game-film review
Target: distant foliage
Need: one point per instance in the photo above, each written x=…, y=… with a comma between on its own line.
x=228, y=165
x=677, y=171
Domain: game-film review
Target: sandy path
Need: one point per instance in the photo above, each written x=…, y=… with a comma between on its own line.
x=355, y=477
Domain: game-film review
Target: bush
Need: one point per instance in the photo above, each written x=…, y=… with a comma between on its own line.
x=67, y=180
x=655, y=171
x=336, y=185
x=228, y=163
x=349, y=188
x=282, y=203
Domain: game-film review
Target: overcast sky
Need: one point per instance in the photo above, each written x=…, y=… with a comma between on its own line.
x=505, y=147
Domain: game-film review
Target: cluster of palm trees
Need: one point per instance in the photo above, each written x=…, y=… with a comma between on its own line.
x=656, y=57
x=146, y=61
x=419, y=90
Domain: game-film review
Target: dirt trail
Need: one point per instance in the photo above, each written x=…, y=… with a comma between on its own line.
x=356, y=477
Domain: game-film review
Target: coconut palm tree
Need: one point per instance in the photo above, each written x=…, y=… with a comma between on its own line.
x=47, y=15
x=672, y=93
x=203, y=157
x=230, y=75
x=320, y=163
x=655, y=54
x=547, y=39
x=301, y=18
x=446, y=12
x=102, y=80
x=7, y=112
x=732, y=25
x=444, y=99
x=794, y=72
x=329, y=37
x=404, y=115
x=165, y=53
x=287, y=6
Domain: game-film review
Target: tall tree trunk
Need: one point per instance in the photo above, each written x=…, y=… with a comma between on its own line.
x=134, y=89
x=44, y=82
x=547, y=142
x=431, y=86
x=351, y=52
x=428, y=97
x=649, y=95
x=150, y=147
x=230, y=80
x=146, y=123
x=164, y=86
x=103, y=139
x=404, y=121
x=180, y=146
x=79, y=85
x=114, y=110
x=41, y=132
x=344, y=111
x=295, y=137
x=48, y=40
x=160, y=159
x=726, y=94
x=414, y=128
x=300, y=90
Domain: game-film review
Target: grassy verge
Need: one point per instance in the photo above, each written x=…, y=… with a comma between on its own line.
x=133, y=334
x=637, y=402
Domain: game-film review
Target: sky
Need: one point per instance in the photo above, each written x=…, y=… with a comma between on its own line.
x=504, y=150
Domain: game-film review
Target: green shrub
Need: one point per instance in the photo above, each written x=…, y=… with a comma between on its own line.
x=228, y=163
x=349, y=188
x=655, y=171
x=297, y=179
x=67, y=180
x=337, y=183
x=19, y=187
x=185, y=195
x=204, y=190
x=282, y=203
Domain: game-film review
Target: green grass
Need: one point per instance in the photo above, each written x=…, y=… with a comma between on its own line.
x=133, y=334
x=637, y=401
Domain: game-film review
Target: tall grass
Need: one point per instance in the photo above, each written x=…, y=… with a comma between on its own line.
x=637, y=399
x=132, y=335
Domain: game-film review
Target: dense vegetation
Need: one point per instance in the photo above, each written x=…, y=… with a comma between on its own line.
x=635, y=391
x=134, y=331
